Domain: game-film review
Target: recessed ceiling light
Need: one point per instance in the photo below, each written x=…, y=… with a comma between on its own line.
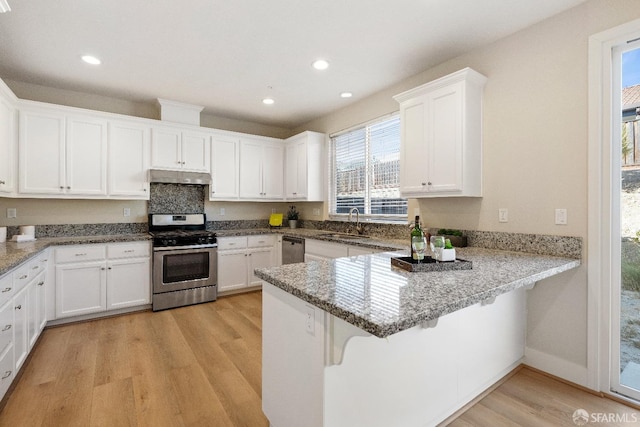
x=91, y=60
x=346, y=95
x=320, y=64
x=268, y=101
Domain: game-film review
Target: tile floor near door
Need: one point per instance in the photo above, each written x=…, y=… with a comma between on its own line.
x=200, y=366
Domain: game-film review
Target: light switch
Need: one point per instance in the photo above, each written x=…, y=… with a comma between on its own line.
x=310, y=320
x=561, y=217
x=503, y=215
x=126, y=212
x=11, y=213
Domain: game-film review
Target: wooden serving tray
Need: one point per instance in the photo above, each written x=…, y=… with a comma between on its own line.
x=430, y=264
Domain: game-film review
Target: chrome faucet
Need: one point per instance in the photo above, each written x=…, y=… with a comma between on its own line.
x=359, y=229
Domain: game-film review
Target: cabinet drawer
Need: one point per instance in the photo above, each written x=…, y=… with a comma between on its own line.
x=6, y=326
x=22, y=276
x=6, y=371
x=80, y=253
x=128, y=250
x=6, y=288
x=262, y=240
x=225, y=243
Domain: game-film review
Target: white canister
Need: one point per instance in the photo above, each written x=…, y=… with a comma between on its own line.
x=3, y=234
x=28, y=230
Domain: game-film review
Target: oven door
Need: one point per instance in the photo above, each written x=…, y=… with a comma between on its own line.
x=179, y=268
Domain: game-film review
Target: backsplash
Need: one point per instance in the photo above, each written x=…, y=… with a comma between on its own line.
x=66, y=230
x=176, y=199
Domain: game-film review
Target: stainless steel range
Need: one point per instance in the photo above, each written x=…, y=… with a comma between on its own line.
x=185, y=260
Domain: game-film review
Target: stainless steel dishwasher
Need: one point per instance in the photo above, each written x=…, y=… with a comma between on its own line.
x=292, y=250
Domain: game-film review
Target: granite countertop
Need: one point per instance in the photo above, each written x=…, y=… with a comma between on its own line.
x=369, y=293
x=13, y=254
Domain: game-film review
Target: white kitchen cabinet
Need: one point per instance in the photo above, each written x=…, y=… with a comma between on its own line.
x=225, y=167
x=7, y=141
x=7, y=368
x=176, y=148
x=35, y=293
x=261, y=169
x=304, y=167
x=128, y=275
x=20, y=327
x=129, y=160
x=97, y=278
x=315, y=250
x=62, y=155
x=441, y=137
x=239, y=256
x=81, y=288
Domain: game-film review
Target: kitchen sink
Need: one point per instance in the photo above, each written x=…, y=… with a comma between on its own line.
x=344, y=236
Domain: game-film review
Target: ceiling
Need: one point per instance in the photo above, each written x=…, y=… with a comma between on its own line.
x=227, y=55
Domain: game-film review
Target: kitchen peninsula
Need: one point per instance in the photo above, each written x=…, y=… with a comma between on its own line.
x=356, y=342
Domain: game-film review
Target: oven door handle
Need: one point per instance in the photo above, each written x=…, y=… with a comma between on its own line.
x=180, y=248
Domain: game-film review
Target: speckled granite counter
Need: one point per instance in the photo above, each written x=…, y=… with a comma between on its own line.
x=369, y=293
x=13, y=254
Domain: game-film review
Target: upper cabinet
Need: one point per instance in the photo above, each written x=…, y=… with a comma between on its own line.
x=129, y=158
x=62, y=155
x=175, y=148
x=225, y=167
x=8, y=137
x=304, y=167
x=441, y=137
x=261, y=169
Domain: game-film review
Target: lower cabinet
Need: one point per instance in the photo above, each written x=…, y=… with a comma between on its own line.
x=20, y=327
x=315, y=250
x=239, y=256
x=96, y=278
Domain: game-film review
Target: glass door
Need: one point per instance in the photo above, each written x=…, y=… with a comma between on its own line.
x=625, y=378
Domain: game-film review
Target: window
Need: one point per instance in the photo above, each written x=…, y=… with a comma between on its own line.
x=365, y=171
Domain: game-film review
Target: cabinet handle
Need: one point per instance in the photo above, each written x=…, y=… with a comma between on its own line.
x=6, y=290
x=102, y=268
x=109, y=268
x=429, y=183
x=424, y=183
x=82, y=254
x=2, y=183
x=6, y=328
x=24, y=276
x=6, y=375
x=129, y=251
x=41, y=283
x=35, y=267
x=19, y=307
x=144, y=189
x=61, y=187
x=68, y=188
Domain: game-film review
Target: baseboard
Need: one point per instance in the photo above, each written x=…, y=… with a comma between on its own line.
x=556, y=366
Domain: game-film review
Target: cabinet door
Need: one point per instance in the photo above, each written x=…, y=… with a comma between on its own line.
x=196, y=151
x=81, y=288
x=232, y=270
x=225, y=167
x=251, y=170
x=445, y=138
x=128, y=283
x=41, y=286
x=295, y=170
x=6, y=327
x=41, y=152
x=166, y=148
x=413, y=151
x=273, y=171
x=20, y=327
x=129, y=157
x=86, y=156
x=260, y=258
x=32, y=312
x=7, y=147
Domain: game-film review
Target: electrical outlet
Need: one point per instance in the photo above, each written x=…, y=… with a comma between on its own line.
x=12, y=213
x=126, y=212
x=273, y=210
x=503, y=215
x=316, y=212
x=221, y=211
x=561, y=217
x=310, y=320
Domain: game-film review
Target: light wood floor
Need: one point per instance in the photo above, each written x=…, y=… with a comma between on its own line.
x=200, y=366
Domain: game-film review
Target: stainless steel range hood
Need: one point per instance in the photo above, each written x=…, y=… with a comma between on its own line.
x=179, y=177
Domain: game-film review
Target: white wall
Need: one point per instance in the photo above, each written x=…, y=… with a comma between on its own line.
x=535, y=159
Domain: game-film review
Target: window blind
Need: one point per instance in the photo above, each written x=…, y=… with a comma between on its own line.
x=366, y=170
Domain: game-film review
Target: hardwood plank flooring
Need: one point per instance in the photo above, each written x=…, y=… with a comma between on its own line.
x=201, y=366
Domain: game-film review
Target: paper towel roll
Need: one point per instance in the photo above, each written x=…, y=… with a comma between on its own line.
x=28, y=230
x=3, y=234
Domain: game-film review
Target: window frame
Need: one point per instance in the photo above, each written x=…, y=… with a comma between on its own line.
x=373, y=218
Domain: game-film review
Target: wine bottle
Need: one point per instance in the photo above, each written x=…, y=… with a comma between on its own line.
x=416, y=232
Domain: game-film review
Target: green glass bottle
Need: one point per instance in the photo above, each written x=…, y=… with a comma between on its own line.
x=416, y=232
